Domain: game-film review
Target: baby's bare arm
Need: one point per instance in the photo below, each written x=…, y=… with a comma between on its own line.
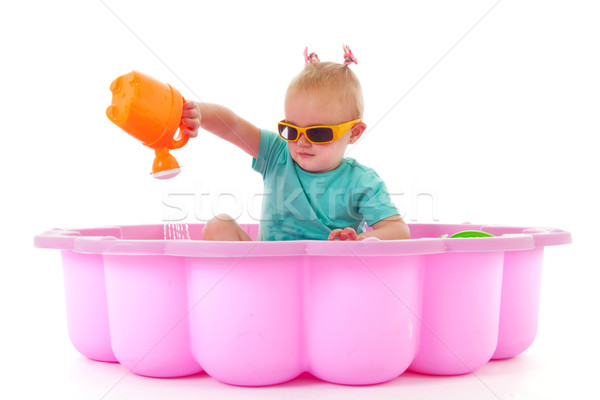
x=391, y=228
x=222, y=122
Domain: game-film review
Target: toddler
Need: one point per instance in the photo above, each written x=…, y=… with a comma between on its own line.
x=311, y=190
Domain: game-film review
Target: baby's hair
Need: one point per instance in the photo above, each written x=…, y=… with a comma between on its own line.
x=329, y=77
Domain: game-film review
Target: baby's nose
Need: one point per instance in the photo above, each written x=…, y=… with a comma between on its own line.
x=303, y=140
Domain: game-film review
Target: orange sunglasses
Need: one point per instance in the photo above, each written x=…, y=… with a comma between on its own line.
x=315, y=134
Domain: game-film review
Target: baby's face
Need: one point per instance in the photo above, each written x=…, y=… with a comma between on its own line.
x=304, y=109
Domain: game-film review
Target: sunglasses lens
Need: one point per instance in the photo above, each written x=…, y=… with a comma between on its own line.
x=320, y=135
x=287, y=132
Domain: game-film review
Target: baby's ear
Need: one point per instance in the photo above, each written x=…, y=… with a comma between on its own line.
x=357, y=131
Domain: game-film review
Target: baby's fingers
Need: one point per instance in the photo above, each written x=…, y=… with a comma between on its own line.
x=350, y=234
x=190, y=119
x=189, y=105
x=191, y=109
x=345, y=234
x=189, y=127
x=192, y=123
x=334, y=234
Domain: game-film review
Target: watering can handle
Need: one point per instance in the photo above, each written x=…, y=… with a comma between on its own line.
x=182, y=138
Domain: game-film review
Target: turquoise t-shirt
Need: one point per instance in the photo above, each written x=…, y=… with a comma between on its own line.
x=302, y=205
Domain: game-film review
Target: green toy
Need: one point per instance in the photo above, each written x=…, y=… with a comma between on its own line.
x=469, y=234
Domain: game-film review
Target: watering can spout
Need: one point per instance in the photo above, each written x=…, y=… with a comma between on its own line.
x=165, y=166
x=150, y=111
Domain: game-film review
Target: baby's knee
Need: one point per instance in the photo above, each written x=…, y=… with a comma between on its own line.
x=221, y=227
x=215, y=226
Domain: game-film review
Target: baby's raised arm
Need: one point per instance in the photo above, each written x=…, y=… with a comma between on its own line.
x=222, y=122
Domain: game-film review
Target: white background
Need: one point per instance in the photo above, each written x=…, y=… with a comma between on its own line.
x=495, y=118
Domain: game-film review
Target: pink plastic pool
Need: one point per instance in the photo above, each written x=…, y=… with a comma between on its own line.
x=262, y=313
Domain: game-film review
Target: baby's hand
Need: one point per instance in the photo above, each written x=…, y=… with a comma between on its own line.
x=191, y=119
x=345, y=234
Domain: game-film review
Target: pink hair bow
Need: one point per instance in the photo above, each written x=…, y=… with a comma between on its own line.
x=312, y=57
x=348, y=56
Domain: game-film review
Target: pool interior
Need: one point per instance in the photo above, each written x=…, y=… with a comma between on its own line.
x=157, y=231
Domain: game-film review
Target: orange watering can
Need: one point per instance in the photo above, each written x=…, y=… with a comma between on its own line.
x=150, y=111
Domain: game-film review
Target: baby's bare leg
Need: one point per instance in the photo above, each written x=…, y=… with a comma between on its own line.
x=223, y=227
